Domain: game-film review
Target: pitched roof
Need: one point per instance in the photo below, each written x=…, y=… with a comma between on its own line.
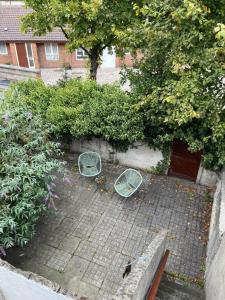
x=10, y=27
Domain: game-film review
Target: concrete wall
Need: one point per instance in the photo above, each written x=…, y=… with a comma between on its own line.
x=15, y=285
x=15, y=73
x=206, y=177
x=137, y=284
x=138, y=156
x=215, y=262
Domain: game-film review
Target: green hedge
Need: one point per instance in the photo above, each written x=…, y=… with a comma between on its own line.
x=32, y=93
x=85, y=109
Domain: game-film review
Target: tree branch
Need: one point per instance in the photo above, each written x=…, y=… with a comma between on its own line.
x=85, y=50
x=67, y=37
x=64, y=32
x=103, y=47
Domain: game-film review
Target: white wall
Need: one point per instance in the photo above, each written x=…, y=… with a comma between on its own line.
x=215, y=281
x=138, y=156
x=14, y=286
x=108, y=59
x=206, y=177
x=215, y=262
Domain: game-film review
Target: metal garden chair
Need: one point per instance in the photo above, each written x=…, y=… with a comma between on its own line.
x=128, y=182
x=89, y=164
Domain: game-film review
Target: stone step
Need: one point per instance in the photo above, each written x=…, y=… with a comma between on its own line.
x=178, y=290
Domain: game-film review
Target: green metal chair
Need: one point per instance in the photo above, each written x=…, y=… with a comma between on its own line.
x=89, y=164
x=128, y=182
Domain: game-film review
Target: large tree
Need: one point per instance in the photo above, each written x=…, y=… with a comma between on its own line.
x=91, y=25
x=180, y=84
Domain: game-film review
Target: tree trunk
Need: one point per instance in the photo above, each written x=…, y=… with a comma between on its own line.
x=94, y=65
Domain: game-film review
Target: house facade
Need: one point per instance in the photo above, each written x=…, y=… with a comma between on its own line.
x=48, y=51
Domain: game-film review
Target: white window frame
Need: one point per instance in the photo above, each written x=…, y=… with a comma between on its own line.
x=28, y=58
x=84, y=56
x=6, y=49
x=52, y=54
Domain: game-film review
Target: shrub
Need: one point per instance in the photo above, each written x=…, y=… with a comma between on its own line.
x=84, y=108
x=27, y=160
x=32, y=93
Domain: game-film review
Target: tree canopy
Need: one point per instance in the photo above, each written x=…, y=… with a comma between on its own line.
x=180, y=85
x=91, y=25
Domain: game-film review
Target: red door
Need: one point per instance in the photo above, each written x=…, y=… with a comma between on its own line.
x=22, y=55
x=184, y=163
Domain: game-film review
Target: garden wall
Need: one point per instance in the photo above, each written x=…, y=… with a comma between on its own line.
x=19, y=285
x=206, y=177
x=15, y=73
x=137, y=284
x=215, y=262
x=138, y=156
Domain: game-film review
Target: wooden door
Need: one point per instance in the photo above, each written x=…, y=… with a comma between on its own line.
x=22, y=55
x=184, y=163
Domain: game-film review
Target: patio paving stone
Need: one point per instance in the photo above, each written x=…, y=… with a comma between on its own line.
x=85, y=245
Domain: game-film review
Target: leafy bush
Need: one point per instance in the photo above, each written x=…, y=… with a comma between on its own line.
x=32, y=93
x=27, y=160
x=84, y=109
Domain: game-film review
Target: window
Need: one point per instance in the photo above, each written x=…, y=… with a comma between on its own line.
x=51, y=51
x=3, y=48
x=80, y=54
x=30, y=56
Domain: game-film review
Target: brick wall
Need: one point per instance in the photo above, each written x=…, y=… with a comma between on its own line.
x=6, y=59
x=65, y=57
x=35, y=55
x=128, y=60
x=13, y=54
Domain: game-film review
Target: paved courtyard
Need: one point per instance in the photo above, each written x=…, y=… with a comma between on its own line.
x=104, y=75
x=86, y=244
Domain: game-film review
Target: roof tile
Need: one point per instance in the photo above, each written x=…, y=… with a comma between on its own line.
x=10, y=27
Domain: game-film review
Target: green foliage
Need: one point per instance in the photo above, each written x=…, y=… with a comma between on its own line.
x=92, y=25
x=27, y=160
x=179, y=82
x=32, y=93
x=84, y=108
x=163, y=164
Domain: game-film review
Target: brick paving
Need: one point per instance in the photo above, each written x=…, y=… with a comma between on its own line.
x=86, y=244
